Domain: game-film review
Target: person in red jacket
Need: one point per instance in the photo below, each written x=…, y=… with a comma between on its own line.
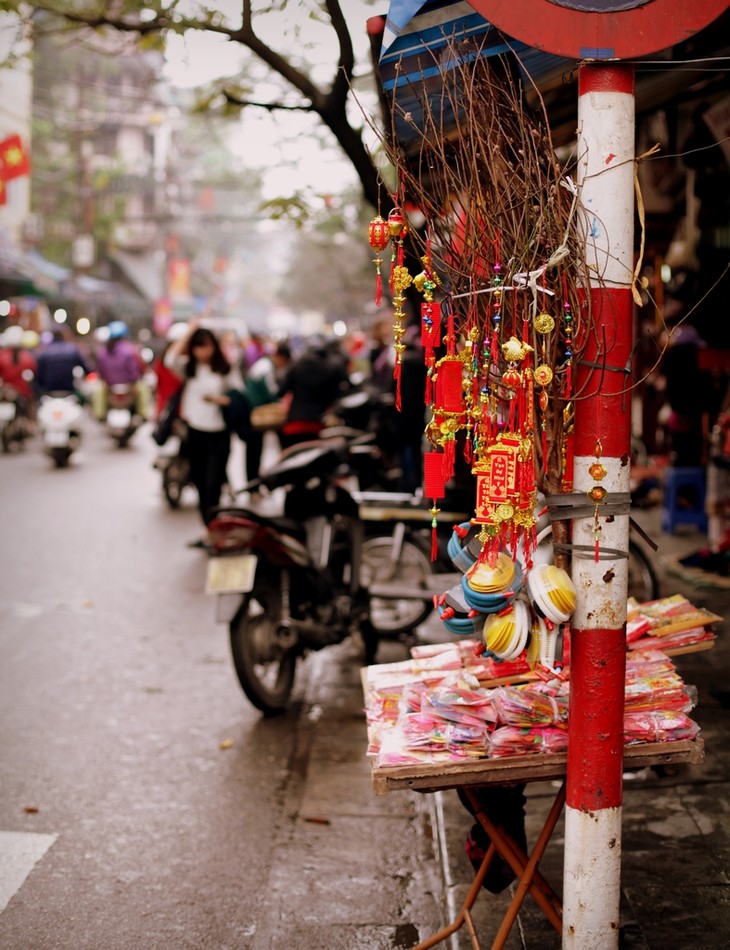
x=168, y=382
x=17, y=366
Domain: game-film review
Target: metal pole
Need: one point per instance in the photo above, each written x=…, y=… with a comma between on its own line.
x=592, y=868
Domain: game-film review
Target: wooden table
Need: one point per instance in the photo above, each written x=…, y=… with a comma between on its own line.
x=471, y=774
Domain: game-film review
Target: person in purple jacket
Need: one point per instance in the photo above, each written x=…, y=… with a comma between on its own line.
x=118, y=363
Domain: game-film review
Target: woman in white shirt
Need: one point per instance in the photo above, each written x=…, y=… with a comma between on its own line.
x=207, y=379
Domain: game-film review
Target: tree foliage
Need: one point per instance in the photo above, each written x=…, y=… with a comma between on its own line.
x=150, y=24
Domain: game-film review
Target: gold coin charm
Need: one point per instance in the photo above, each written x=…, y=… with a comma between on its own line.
x=543, y=375
x=543, y=323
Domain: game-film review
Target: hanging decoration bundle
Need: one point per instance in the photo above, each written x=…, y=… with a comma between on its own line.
x=503, y=320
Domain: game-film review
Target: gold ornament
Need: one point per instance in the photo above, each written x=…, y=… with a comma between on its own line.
x=543, y=375
x=543, y=323
x=514, y=350
x=402, y=280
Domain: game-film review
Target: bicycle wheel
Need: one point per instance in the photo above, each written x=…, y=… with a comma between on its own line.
x=643, y=583
x=410, y=570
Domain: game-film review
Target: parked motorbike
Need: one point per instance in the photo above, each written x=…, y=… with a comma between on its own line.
x=122, y=418
x=368, y=410
x=15, y=423
x=173, y=462
x=299, y=580
x=59, y=419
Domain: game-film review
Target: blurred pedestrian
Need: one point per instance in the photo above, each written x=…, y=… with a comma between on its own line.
x=714, y=558
x=209, y=384
x=231, y=346
x=689, y=397
x=253, y=349
x=262, y=384
x=59, y=364
x=312, y=382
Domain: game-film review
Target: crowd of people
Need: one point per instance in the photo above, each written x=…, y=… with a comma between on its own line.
x=219, y=382
x=221, y=379
x=219, y=388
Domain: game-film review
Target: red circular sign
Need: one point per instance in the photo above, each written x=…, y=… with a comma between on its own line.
x=600, y=29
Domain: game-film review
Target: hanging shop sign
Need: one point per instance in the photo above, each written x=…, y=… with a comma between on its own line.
x=600, y=29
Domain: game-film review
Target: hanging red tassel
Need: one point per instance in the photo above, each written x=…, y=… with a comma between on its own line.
x=378, y=289
x=434, y=487
x=449, y=458
x=397, y=376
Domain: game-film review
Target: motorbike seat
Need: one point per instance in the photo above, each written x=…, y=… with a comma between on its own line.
x=287, y=525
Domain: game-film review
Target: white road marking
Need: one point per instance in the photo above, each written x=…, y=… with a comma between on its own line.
x=20, y=851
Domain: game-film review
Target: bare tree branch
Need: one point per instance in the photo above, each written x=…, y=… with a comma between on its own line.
x=328, y=103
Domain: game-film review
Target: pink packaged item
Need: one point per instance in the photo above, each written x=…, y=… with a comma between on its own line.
x=514, y=740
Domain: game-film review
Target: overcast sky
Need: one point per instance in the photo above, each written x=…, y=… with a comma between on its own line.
x=260, y=139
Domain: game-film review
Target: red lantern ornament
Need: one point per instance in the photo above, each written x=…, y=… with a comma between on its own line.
x=379, y=237
x=511, y=379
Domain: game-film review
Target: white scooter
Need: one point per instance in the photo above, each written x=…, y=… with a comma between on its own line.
x=122, y=418
x=59, y=420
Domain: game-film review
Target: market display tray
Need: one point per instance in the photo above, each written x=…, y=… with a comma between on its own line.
x=522, y=768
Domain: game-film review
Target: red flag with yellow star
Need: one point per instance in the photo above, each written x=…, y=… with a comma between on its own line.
x=14, y=160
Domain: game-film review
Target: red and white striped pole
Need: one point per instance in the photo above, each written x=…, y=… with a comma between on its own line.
x=592, y=866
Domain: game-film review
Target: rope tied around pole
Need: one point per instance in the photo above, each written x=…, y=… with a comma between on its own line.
x=642, y=221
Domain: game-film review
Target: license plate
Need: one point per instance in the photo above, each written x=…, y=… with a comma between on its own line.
x=7, y=411
x=231, y=574
x=56, y=438
x=118, y=418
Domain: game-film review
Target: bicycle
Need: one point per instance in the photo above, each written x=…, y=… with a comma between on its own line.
x=397, y=557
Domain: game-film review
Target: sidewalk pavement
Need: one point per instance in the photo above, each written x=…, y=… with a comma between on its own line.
x=356, y=871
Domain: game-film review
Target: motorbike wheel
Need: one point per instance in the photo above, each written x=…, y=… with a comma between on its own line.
x=174, y=479
x=265, y=668
x=643, y=583
x=412, y=568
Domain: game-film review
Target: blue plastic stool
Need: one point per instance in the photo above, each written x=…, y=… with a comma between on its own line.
x=687, y=484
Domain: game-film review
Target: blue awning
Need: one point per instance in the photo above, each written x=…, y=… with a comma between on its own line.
x=416, y=59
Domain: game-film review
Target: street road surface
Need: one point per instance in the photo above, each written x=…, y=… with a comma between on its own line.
x=139, y=791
